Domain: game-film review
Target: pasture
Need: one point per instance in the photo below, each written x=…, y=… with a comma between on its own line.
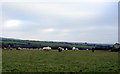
x=54, y=61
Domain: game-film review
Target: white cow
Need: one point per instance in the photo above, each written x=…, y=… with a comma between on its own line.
x=75, y=48
x=46, y=48
x=66, y=49
x=40, y=49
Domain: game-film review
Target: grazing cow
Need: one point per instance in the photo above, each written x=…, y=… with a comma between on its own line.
x=60, y=49
x=87, y=49
x=4, y=48
x=46, y=48
x=9, y=47
x=66, y=49
x=40, y=49
x=75, y=48
x=18, y=48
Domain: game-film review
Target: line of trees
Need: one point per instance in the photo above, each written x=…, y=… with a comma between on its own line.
x=54, y=45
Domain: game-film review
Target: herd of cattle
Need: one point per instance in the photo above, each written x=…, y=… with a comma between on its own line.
x=114, y=48
x=44, y=48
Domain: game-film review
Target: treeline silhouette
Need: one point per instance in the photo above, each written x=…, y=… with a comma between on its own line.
x=14, y=43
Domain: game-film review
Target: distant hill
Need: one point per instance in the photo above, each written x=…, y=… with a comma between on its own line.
x=39, y=44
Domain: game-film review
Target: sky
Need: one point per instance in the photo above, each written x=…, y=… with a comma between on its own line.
x=94, y=21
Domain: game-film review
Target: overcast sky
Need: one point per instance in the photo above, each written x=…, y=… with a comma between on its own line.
x=73, y=21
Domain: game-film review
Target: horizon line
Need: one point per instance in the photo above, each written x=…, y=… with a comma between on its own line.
x=58, y=40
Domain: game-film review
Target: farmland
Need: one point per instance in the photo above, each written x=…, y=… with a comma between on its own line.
x=38, y=44
x=54, y=61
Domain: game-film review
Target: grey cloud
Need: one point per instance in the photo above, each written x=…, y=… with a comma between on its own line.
x=63, y=21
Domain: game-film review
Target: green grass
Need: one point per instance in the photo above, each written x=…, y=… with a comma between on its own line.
x=54, y=61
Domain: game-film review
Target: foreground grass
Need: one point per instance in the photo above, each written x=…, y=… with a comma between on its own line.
x=54, y=61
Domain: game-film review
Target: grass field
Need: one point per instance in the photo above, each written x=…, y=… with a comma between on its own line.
x=54, y=61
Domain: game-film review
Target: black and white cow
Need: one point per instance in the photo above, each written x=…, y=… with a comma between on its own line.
x=60, y=49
